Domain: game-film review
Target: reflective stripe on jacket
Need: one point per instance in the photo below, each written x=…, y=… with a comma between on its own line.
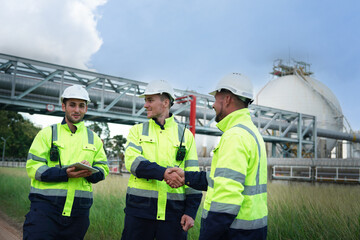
x=50, y=184
x=237, y=183
x=150, y=149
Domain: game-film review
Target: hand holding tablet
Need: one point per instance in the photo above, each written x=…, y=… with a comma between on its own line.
x=81, y=166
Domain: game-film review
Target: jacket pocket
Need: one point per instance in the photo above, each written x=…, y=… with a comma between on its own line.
x=148, y=145
x=88, y=153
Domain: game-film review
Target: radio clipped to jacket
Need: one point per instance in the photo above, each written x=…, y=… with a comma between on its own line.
x=54, y=151
x=181, y=152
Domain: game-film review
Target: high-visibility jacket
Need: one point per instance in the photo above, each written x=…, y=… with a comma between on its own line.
x=236, y=196
x=50, y=187
x=150, y=149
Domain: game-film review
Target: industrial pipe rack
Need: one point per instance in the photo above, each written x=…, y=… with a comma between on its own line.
x=35, y=87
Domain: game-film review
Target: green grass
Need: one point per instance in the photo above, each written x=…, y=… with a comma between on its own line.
x=321, y=211
x=296, y=210
x=107, y=213
x=14, y=191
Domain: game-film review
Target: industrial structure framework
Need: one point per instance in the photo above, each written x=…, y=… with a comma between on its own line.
x=35, y=87
x=302, y=70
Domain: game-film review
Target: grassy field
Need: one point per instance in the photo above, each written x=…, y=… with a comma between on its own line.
x=296, y=210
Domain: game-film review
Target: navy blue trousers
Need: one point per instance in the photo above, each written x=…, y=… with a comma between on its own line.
x=235, y=234
x=146, y=229
x=41, y=224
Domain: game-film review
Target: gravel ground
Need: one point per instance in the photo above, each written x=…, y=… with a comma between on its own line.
x=9, y=230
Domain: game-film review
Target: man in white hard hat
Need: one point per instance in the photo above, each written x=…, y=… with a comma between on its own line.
x=235, y=206
x=61, y=196
x=153, y=209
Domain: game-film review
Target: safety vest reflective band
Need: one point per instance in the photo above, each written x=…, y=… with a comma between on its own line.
x=60, y=192
x=250, y=192
x=243, y=224
x=259, y=188
x=134, y=146
x=154, y=194
x=191, y=163
x=84, y=144
x=149, y=142
x=145, y=130
x=36, y=158
x=71, y=192
x=236, y=176
x=258, y=145
x=90, y=134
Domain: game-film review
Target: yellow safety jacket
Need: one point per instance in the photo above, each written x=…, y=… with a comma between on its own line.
x=150, y=149
x=50, y=186
x=237, y=183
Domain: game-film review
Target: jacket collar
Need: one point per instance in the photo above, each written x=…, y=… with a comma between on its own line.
x=168, y=121
x=77, y=125
x=233, y=119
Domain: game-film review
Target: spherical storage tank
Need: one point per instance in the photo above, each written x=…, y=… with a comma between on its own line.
x=301, y=93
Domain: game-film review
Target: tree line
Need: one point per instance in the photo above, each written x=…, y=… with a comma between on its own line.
x=19, y=133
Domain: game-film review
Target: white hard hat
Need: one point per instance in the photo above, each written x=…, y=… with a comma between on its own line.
x=236, y=83
x=77, y=92
x=159, y=87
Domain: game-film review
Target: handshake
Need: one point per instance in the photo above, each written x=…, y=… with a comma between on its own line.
x=174, y=177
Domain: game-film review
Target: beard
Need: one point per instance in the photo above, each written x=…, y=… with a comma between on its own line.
x=219, y=116
x=73, y=120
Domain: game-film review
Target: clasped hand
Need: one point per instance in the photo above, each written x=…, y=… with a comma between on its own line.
x=174, y=177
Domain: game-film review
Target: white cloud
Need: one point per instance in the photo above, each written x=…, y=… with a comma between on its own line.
x=57, y=31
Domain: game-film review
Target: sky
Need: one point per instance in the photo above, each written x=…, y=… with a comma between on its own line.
x=191, y=44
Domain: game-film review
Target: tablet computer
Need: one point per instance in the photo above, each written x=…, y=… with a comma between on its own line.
x=81, y=166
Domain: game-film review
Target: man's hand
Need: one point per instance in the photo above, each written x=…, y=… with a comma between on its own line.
x=179, y=171
x=186, y=222
x=73, y=173
x=86, y=163
x=173, y=179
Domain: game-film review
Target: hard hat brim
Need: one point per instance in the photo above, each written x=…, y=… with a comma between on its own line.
x=76, y=92
x=86, y=100
x=155, y=93
x=213, y=93
x=148, y=93
x=245, y=95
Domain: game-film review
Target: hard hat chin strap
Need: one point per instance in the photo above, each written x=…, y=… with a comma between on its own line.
x=246, y=101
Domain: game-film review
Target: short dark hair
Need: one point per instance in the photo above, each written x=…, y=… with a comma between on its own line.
x=246, y=101
x=163, y=96
x=66, y=99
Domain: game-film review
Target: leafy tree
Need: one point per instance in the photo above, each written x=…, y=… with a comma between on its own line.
x=19, y=133
x=113, y=146
x=118, y=145
x=101, y=129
